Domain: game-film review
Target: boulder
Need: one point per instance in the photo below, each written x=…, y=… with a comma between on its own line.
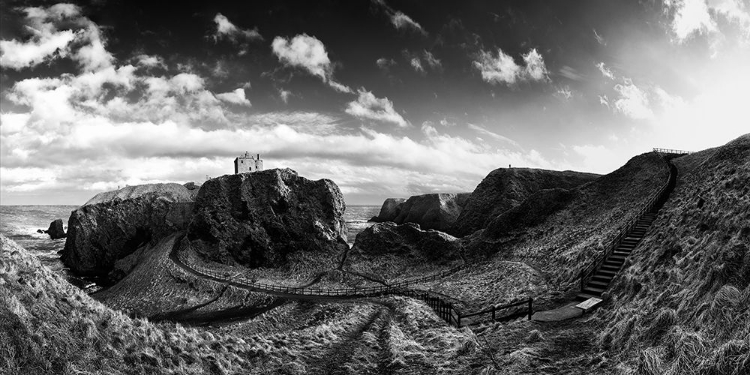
x=390, y=210
x=114, y=224
x=505, y=188
x=432, y=211
x=56, y=230
x=406, y=240
x=268, y=218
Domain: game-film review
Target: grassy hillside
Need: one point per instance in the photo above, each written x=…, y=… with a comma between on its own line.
x=51, y=327
x=538, y=249
x=683, y=304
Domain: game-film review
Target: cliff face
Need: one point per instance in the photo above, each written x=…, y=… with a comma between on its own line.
x=406, y=240
x=430, y=211
x=259, y=219
x=505, y=188
x=114, y=224
x=390, y=210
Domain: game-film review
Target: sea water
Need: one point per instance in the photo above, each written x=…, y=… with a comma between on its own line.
x=20, y=223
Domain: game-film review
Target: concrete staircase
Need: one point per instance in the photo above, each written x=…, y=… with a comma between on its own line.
x=599, y=282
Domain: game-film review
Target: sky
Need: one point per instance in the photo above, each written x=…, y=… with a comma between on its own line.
x=386, y=98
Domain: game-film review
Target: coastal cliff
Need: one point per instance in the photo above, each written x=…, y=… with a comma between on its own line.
x=505, y=188
x=114, y=224
x=430, y=211
x=260, y=219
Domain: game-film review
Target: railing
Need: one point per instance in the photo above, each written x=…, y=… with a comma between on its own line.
x=519, y=309
x=657, y=199
x=670, y=151
x=445, y=310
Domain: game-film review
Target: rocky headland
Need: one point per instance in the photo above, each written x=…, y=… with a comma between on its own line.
x=112, y=226
x=437, y=211
x=262, y=219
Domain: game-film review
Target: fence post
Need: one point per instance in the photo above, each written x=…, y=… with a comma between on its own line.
x=531, y=307
x=493, y=313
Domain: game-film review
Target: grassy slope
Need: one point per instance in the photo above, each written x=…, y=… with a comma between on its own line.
x=543, y=261
x=50, y=327
x=683, y=305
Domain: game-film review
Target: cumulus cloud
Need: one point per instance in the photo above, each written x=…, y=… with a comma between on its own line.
x=227, y=30
x=503, y=68
x=633, y=101
x=701, y=17
x=367, y=106
x=420, y=61
x=605, y=71
x=83, y=42
x=235, y=97
x=309, y=53
x=150, y=61
x=416, y=64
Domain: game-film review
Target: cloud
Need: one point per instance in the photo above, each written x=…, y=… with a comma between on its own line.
x=235, y=97
x=400, y=20
x=416, y=64
x=384, y=63
x=599, y=38
x=564, y=93
x=605, y=71
x=368, y=106
x=599, y=159
x=227, y=30
x=150, y=61
x=570, y=73
x=420, y=61
x=603, y=100
x=284, y=95
x=633, y=102
x=309, y=53
x=493, y=135
x=701, y=17
x=83, y=42
x=503, y=69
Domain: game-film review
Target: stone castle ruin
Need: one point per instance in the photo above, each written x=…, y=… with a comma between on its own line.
x=248, y=163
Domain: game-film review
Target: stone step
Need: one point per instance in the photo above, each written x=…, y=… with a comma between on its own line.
x=593, y=290
x=584, y=296
x=602, y=278
x=605, y=273
x=598, y=284
x=614, y=262
x=613, y=269
x=622, y=252
x=617, y=258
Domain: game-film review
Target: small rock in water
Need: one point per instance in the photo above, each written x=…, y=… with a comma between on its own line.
x=56, y=230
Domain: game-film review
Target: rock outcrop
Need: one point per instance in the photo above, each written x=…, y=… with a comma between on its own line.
x=113, y=225
x=266, y=218
x=505, y=188
x=56, y=230
x=407, y=240
x=430, y=211
x=390, y=210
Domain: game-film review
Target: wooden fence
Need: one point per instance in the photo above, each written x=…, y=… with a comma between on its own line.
x=673, y=152
x=445, y=310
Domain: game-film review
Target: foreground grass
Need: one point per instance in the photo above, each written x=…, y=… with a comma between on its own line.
x=50, y=327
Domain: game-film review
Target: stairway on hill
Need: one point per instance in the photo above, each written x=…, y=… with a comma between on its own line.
x=599, y=282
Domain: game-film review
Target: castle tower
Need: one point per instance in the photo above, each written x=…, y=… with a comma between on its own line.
x=248, y=163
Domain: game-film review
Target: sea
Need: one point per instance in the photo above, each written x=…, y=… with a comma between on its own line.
x=20, y=223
